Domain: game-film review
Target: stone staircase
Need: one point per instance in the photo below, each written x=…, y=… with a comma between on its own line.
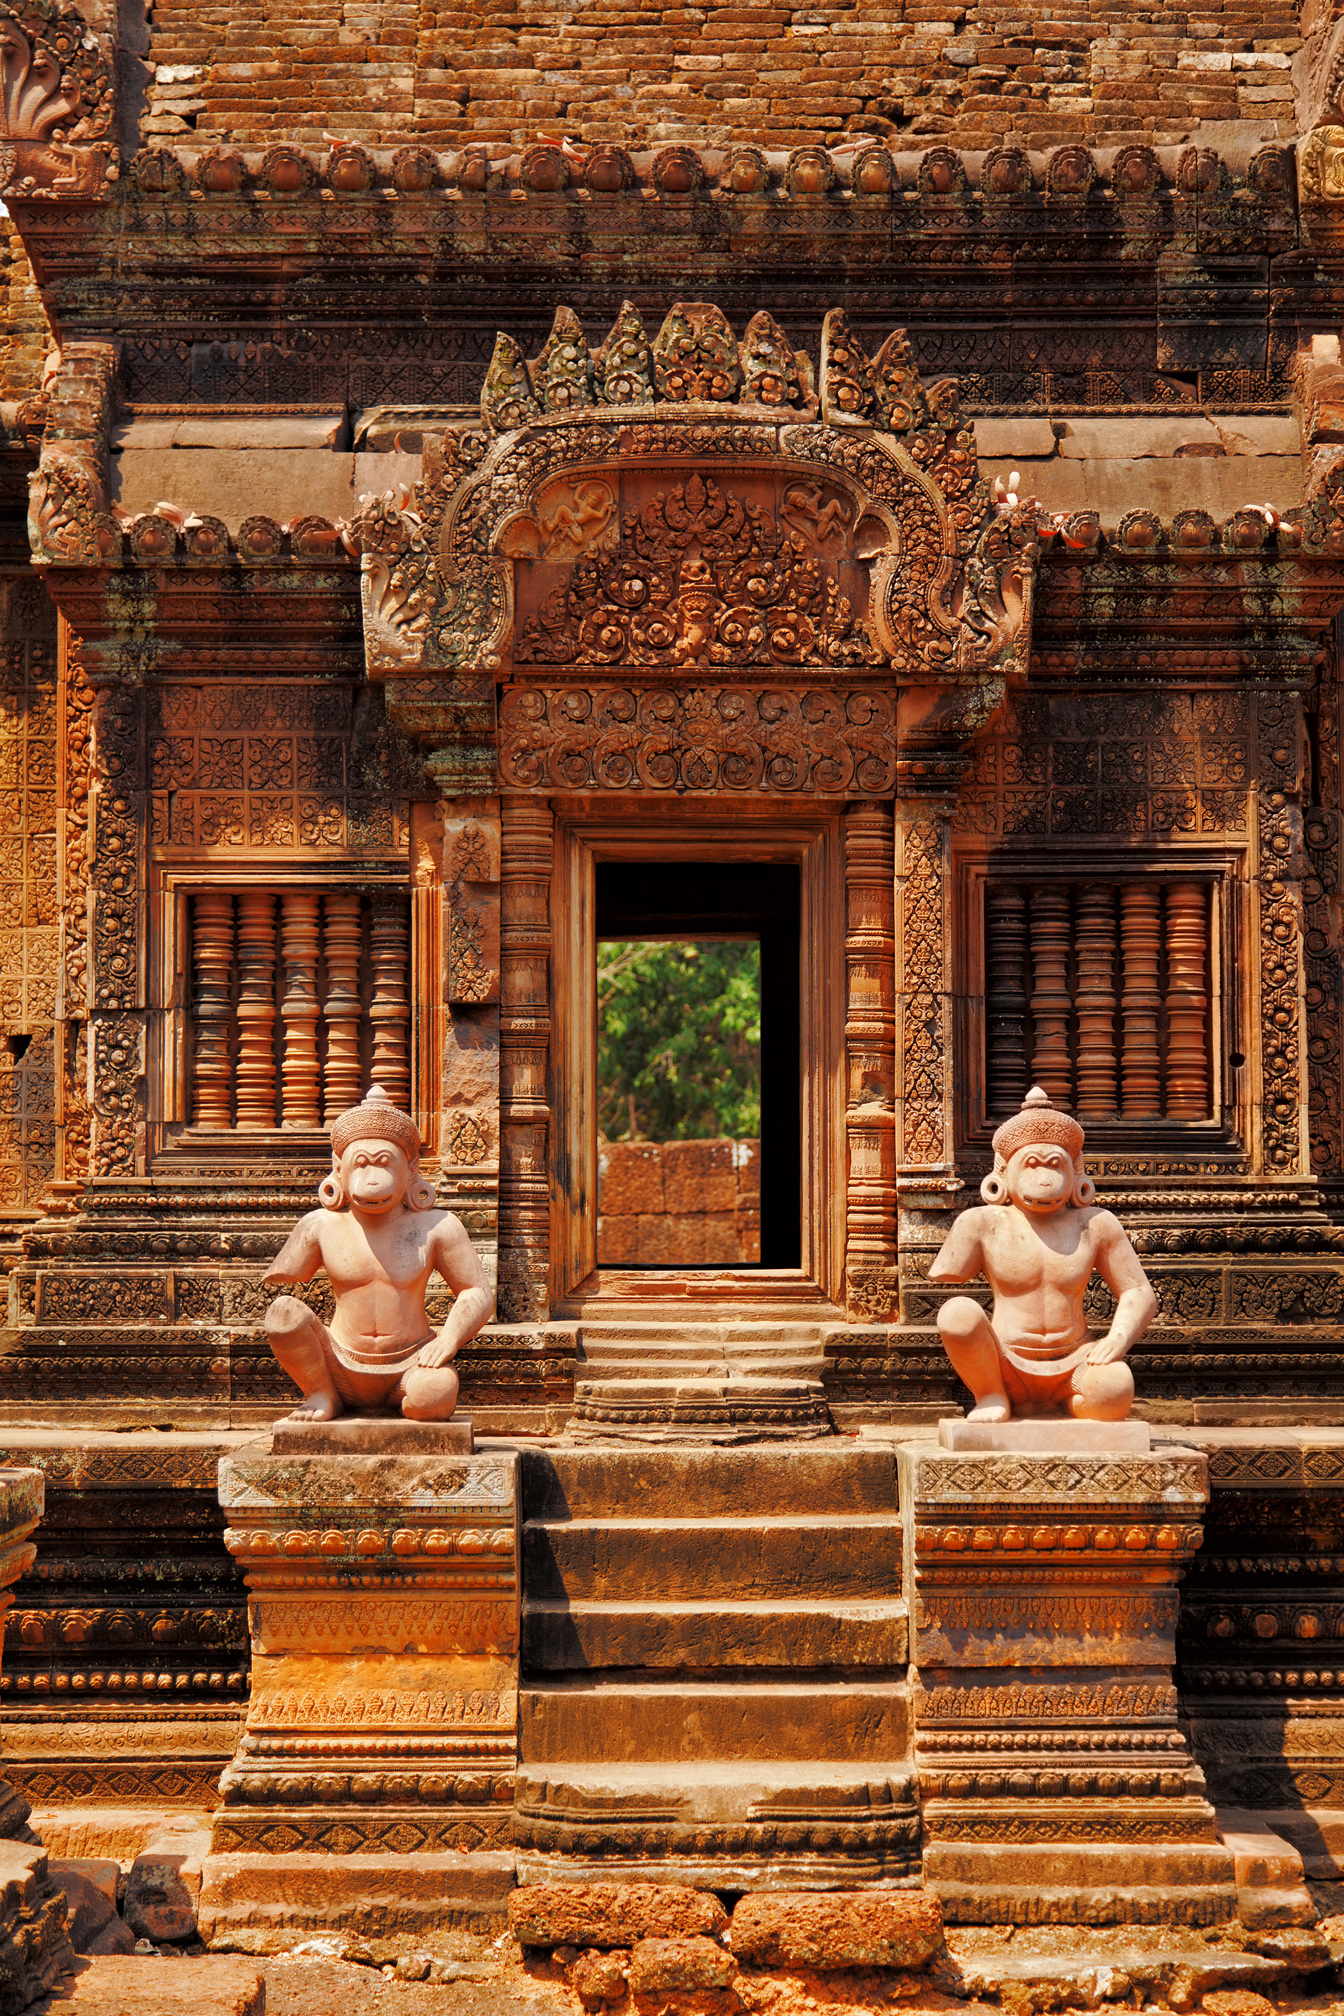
x=714, y=1647
x=672, y=1373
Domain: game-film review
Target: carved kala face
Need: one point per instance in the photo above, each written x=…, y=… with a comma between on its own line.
x=1040, y=1177
x=375, y=1175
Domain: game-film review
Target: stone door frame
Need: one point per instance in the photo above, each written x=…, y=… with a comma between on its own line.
x=631, y=829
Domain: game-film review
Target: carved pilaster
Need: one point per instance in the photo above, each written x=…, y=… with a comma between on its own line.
x=117, y=1053
x=471, y=938
x=923, y=1003
x=1279, y=919
x=870, y=1044
x=524, y=1056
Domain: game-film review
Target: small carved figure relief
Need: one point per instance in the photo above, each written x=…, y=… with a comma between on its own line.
x=1037, y=1239
x=380, y=1236
x=575, y=520
x=820, y=520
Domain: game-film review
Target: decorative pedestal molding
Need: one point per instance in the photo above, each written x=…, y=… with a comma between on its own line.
x=1056, y=1786
x=372, y=1789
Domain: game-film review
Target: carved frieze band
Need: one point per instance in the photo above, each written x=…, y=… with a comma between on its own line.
x=787, y=740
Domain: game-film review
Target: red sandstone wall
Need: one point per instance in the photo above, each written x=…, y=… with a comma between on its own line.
x=679, y=1203
x=24, y=331
x=388, y=71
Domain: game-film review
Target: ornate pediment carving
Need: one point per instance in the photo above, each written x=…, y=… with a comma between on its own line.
x=679, y=523
x=691, y=510
x=701, y=576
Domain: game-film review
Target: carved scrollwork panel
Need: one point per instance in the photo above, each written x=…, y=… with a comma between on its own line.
x=712, y=738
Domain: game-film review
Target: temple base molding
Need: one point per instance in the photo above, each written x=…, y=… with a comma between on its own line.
x=1055, y=1784
x=372, y=1788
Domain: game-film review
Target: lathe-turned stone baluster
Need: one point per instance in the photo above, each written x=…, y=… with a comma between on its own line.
x=1187, y=1002
x=342, y=1079
x=1005, y=999
x=1140, y=1000
x=256, y=1008
x=390, y=1012
x=1094, y=999
x=299, y=1011
x=212, y=962
x=1051, y=1008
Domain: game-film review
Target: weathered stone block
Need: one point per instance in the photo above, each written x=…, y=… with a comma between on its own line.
x=120, y=1985
x=699, y=1176
x=90, y=1895
x=664, y=1966
x=612, y=1914
x=630, y=1178
x=798, y=1929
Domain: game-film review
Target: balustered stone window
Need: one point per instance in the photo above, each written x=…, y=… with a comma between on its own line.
x=1100, y=992
x=298, y=998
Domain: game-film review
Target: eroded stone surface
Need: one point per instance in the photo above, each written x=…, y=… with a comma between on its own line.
x=828, y=1931
x=612, y=1914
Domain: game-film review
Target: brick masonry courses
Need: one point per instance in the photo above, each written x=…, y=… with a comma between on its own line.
x=392, y=72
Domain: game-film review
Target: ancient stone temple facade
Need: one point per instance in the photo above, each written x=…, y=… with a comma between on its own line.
x=708, y=473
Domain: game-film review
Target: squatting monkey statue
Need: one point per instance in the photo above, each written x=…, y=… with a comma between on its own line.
x=1036, y=1239
x=380, y=1236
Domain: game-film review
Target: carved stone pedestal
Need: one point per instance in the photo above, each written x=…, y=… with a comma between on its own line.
x=1056, y=1786
x=372, y=1791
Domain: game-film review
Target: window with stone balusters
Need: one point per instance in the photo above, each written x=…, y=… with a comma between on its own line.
x=1100, y=992
x=298, y=1000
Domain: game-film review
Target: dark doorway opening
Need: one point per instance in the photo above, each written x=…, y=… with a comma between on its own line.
x=706, y=900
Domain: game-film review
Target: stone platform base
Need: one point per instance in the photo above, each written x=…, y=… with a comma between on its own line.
x=1056, y=1783
x=1048, y=1436
x=390, y=1903
x=720, y=1411
x=1113, y=1883
x=374, y=1435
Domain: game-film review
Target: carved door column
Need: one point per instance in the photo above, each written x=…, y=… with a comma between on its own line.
x=870, y=1034
x=524, y=1060
x=471, y=1036
x=117, y=1063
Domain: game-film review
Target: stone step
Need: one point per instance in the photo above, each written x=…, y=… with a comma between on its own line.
x=683, y=1330
x=652, y=1560
x=830, y=1478
x=685, y=1721
x=565, y=1637
x=736, y=1826
x=714, y=1789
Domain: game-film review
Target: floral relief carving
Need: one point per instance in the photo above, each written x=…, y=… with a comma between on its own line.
x=616, y=738
x=701, y=577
